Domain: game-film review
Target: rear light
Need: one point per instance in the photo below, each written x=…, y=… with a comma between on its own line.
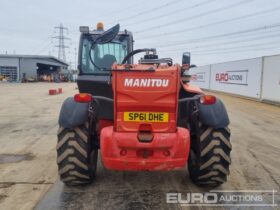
x=83, y=98
x=208, y=99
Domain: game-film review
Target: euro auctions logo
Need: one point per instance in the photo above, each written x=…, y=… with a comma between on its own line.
x=192, y=198
x=245, y=198
x=239, y=77
x=198, y=77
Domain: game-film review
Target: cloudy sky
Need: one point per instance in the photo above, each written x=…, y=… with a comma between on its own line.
x=212, y=30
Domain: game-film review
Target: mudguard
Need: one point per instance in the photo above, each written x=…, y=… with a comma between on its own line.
x=191, y=88
x=73, y=114
x=214, y=115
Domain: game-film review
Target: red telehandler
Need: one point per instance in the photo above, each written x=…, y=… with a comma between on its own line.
x=143, y=116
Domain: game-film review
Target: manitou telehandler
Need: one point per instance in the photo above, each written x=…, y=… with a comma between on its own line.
x=143, y=116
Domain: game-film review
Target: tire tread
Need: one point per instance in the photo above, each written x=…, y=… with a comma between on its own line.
x=73, y=155
x=212, y=167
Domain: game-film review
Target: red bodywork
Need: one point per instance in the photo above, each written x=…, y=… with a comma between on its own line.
x=145, y=108
x=191, y=88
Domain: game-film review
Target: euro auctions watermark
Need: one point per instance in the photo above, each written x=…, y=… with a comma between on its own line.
x=258, y=198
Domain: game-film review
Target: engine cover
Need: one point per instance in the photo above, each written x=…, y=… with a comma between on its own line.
x=146, y=99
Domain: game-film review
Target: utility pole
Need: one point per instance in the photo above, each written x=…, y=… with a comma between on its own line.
x=61, y=41
x=75, y=58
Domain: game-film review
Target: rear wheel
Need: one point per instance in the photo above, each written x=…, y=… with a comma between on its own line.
x=211, y=166
x=75, y=157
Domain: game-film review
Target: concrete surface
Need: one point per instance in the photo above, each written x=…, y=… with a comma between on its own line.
x=28, y=125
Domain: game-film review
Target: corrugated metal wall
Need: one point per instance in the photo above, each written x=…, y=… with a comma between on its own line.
x=271, y=78
x=257, y=78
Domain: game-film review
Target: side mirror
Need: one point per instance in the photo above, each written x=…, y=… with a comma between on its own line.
x=192, y=66
x=108, y=35
x=186, y=59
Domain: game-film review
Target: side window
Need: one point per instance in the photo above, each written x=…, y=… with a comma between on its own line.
x=86, y=64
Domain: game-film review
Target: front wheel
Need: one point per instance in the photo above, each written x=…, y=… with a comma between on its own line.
x=211, y=166
x=75, y=157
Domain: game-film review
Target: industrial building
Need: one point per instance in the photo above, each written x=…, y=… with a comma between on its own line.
x=17, y=68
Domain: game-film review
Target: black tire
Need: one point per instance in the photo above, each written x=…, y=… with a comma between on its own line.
x=75, y=157
x=210, y=168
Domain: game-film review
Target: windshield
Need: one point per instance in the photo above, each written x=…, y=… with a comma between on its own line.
x=103, y=55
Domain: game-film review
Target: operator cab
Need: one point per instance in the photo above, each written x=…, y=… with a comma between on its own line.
x=98, y=50
x=96, y=58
